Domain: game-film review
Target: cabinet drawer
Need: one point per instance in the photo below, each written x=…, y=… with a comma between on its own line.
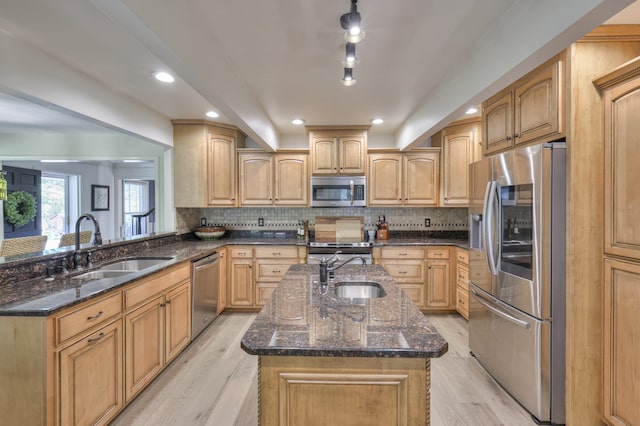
x=157, y=283
x=402, y=253
x=462, y=301
x=272, y=270
x=245, y=252
x=73, y=323
x=462, y=275
x=438, y=253
x=411, y=271
x=462, y=256
x=277, y=252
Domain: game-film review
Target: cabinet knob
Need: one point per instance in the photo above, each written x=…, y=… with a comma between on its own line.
x=508, y=138
x=516, y=136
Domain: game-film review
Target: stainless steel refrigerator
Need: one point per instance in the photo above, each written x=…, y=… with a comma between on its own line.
x=517, y=262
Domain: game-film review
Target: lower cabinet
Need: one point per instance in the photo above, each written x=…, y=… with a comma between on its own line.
x=462, y=282
x=422, y=273
x=90, y=377
x=155, y=332
x=256, y=271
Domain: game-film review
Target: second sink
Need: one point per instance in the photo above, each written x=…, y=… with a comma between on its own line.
x=135, y=263
x=359, y=290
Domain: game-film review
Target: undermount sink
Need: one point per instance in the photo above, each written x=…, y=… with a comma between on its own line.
x=134, y=264
x=122, y=267
x=359, y=290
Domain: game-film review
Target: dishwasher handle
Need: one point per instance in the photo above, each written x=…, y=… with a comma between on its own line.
x=204, y=262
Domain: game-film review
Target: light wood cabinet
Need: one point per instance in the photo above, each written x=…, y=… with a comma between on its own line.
x=338, y=150
x=204, y=163
x=529, y=110
x=257, y=271
x=462, y=282
x=440, y=290
x=461, y=146
x=621, y=342
x=223, y=278
x=157, y=325
x=273, y=180
x=404, y=179
x=422, y=273
x=90, y=377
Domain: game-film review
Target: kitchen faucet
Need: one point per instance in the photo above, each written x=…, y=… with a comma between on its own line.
x=326, y=265
x=97, y=240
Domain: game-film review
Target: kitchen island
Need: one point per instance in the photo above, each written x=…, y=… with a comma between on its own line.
x=326, y=359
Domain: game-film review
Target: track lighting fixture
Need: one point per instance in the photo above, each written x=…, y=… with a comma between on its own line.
x=350, y=59
x=351, y=21
x=348, y=79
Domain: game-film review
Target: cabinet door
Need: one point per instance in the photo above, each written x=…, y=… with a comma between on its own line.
x=264, y=292
x=385, y=178
x=241, y=284
x=416, y=293
x=190, y=165
x=221, y=170
x=91, y=378
x=177, y=320
x=291, y=180
x=497, y=121
x=144, y=346
x=536, y=109
x=352, y=155
x=457, y=153
x=255, y=180
x=222, y=288
x=622, y=174
x=324, y=155
x=621, y=342
x=438, y=286
x=421, y=180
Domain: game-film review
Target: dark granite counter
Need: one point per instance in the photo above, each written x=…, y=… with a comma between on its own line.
x=299, y=321
x=38, y=297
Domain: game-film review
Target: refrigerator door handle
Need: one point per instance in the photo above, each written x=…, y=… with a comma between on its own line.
x=497, y=311
x=489, y=219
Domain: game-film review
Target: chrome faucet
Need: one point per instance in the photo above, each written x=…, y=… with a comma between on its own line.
x=97, y=239
x=327, y=265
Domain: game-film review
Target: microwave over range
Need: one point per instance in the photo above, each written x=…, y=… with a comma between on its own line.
x=338, y=191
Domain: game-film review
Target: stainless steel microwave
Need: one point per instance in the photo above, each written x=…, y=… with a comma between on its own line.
x=338, y=191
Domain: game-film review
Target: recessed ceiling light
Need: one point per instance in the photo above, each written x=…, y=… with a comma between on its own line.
x=212, y=114
x=472, y=110
x=377, y=121
x=297, y=121
x=164, y=77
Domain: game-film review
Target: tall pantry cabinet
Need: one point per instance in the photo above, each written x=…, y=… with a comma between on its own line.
x=621, y=299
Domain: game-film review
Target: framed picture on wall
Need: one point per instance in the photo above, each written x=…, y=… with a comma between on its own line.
x=99, y=198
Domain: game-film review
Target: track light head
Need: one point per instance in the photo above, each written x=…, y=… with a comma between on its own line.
x=350, y=22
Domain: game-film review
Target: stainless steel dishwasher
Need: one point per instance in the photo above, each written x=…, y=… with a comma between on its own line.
x=205, y=276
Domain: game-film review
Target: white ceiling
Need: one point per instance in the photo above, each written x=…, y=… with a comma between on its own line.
x=263, y=63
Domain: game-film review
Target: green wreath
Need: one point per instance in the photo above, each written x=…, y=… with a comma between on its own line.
x=20, y=208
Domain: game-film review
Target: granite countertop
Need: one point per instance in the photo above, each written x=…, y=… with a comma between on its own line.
x=300, y=321
x=37, y=297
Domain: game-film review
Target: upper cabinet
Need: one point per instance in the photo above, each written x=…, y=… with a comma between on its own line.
x=279, y=179
x=621, y=172
x=461, y=146
x=410, y=179
x=529, y=110
x=338, y=151
x=204, y=163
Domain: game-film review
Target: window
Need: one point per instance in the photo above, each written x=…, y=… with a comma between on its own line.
x=59, y=204
x=135, y=203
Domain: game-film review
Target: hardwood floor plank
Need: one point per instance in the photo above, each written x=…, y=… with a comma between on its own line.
x=214, y=383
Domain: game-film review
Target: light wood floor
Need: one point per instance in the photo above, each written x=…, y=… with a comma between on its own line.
x=214, y=383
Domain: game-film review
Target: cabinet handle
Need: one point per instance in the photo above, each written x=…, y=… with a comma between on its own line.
x=168, y=302
x=162, y=305
x=402, y=272
x=96, y=316
x=275, y=272
x=402, y=254
x=516, y=136
x=95, y=339
x=508, y=138
x=276, y=254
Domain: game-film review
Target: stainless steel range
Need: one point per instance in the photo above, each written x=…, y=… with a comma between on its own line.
x=318, y=250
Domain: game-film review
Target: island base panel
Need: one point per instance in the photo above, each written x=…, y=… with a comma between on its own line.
x=343, y=390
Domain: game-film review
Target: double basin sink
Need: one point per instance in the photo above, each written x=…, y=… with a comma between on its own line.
x=122, y=267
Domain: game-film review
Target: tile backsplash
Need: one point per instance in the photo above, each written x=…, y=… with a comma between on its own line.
x=405, y=219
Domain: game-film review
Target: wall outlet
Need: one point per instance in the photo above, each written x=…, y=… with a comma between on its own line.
x=427, y=222
x=260, y=221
